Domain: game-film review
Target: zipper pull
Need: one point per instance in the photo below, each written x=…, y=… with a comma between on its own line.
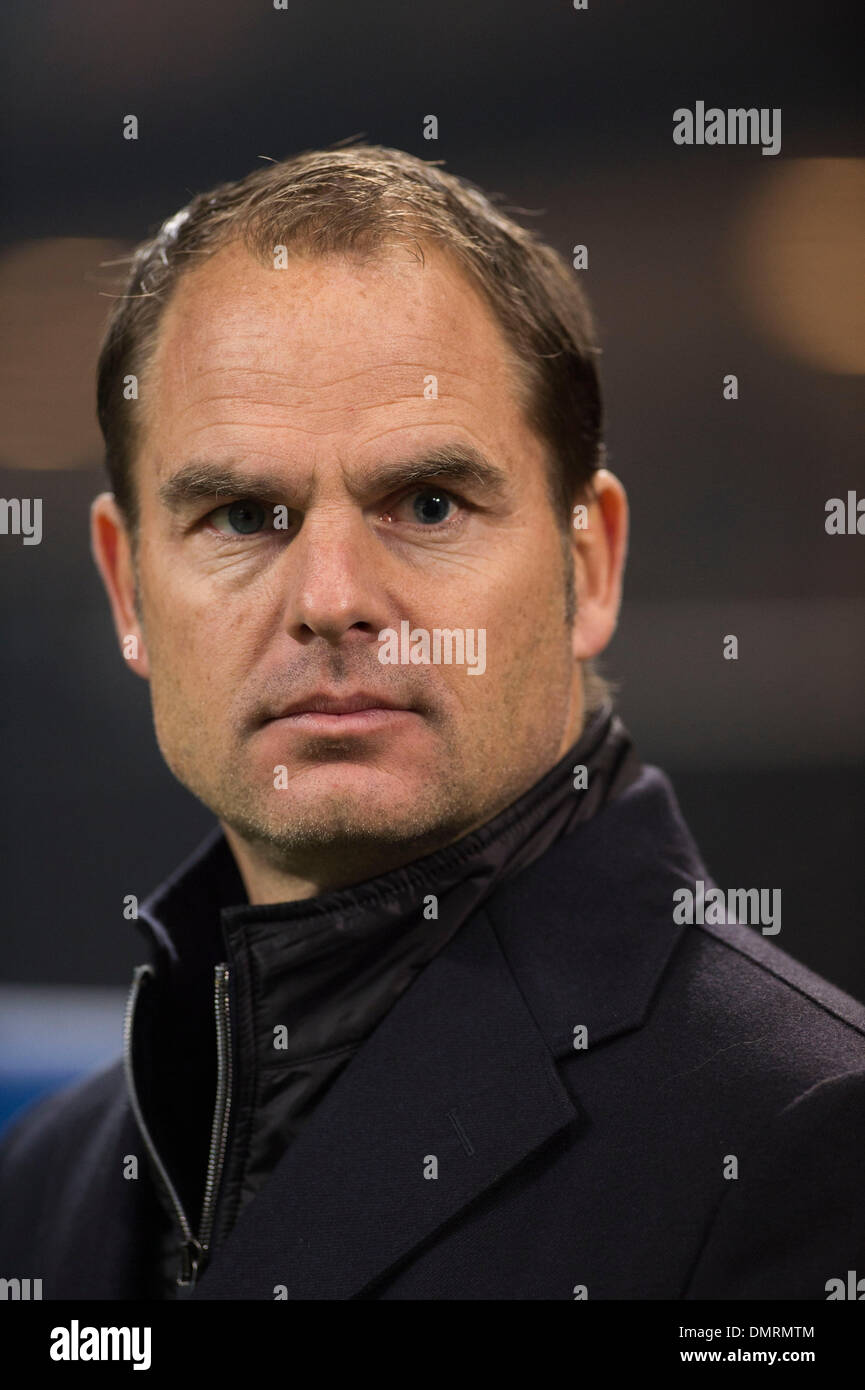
x=193, y=1257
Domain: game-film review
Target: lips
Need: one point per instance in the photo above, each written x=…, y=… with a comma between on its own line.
x=323, y=703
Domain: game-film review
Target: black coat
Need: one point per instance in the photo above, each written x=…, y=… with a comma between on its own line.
x=562, y=1171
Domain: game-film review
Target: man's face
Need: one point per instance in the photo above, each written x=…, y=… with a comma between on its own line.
x=311, y=385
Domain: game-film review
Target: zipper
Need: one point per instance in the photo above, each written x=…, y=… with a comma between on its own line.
x=194, y=1251
x=222, y=1104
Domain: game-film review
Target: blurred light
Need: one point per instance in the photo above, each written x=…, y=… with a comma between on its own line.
x=801, y=263
x=53, y=317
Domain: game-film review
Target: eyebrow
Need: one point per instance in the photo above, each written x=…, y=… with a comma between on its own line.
x=200, y=480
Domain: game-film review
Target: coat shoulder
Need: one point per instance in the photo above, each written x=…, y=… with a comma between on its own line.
x=759, y=979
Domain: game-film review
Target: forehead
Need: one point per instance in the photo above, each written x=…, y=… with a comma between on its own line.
x=336, y=345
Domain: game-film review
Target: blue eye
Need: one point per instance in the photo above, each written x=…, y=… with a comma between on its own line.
x=243, y=518
x=432, y=507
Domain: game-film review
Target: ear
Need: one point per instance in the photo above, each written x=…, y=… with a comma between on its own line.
x=599, y=544
x=112, y=551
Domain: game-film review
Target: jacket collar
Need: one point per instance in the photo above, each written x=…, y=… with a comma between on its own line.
x=461, y=1069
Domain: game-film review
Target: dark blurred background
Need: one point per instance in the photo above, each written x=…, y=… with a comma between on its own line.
x=702, y=262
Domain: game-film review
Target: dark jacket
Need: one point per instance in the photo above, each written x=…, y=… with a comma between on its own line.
x=707, y=1142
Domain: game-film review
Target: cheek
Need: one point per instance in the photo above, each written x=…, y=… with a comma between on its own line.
x=206, y=653
x=188, y=641
x=528, y=607
x=527, y=641
x=176, y=628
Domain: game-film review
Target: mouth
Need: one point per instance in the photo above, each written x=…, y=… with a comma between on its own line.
x=342, y=714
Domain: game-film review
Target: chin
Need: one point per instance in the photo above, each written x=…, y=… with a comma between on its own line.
x=346, y=804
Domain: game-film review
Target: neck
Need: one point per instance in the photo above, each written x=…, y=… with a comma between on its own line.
x=268, y=880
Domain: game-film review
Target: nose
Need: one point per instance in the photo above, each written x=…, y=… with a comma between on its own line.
x=335, y=582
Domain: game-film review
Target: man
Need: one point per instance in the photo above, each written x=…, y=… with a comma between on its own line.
x=424, y=1017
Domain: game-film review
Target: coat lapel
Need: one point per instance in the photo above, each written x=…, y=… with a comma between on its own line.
x=456, y=1078
x=588, y=929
